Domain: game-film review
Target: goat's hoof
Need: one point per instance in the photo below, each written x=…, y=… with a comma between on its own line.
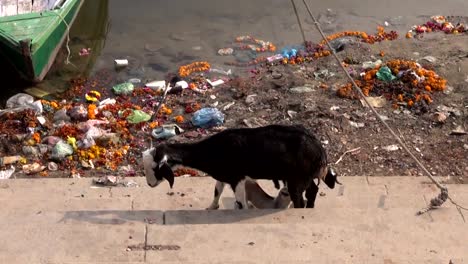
x=212, y=207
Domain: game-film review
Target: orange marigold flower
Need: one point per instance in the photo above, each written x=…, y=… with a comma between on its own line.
x=179, y=119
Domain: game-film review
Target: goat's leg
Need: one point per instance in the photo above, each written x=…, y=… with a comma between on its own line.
x=217, y=194
x=296, y=196
x=241, y=196
x=311, y=194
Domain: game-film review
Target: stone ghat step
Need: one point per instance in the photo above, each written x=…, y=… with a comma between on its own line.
x=376, y=241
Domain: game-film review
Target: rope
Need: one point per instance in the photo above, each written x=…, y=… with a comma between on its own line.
x=67, y=46
x=443, y=196
x=299, y=21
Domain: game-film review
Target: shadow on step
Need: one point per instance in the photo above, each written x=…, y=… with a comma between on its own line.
x=186, y=217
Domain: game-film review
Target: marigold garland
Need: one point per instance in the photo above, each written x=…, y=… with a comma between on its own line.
x=198, y=66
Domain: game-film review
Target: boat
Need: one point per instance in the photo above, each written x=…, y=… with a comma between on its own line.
x=32, y=33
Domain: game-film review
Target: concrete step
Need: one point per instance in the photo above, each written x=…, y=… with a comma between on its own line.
x=367, y=220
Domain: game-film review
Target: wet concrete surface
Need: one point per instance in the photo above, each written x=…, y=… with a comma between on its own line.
x=158, y=37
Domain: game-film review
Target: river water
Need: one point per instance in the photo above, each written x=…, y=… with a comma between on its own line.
x=159, y=36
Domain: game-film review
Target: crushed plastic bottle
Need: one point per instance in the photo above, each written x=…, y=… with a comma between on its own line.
x=207, y=117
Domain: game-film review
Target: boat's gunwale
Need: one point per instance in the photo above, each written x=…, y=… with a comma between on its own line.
x=38, y=42
x=57, y=14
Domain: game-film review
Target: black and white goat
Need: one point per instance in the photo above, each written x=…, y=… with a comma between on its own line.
x=290, y=154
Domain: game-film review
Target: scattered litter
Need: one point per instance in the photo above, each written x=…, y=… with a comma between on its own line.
x=250, y=99
x=182, y=84
x=6, y=174
x=378, y=102
x=138, y=116
x=207, y=117
x=334, y=108
x=439, y=117
x=33, y=168
x=229, y=105
x=52, y=166
x=323, y=75
x=449, y=110
x=274, y=58
x=356, y=125
x=458, y=131
x=9, y=160
x=220, y=71
x=20, y=102
x=134, y=80
x=123, y=88
x=61, y=150
x=255, y=122
x=215, y=83
x=166, y=131
x=156, y=85
x=226, y=51
x=84, y=52
x=391, y=148
x=114, y=181
x=371, y=64
x=301, y=89
x=291, y=113
x=121, y=63
x=93, y=96
x=430, y=59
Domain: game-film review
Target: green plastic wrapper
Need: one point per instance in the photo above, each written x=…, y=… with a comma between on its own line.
x=385, y=74
x=123, y=88
x=138, y=116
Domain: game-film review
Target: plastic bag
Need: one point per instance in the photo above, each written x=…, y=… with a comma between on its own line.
x=207, y=117
x=61, y=115
x=6, y=174
x=123, y=88
x=138, y=116
x=21, y=102
x=61, y=150
x=385, y=74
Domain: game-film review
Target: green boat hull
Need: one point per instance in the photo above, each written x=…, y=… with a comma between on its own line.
x=30, y=42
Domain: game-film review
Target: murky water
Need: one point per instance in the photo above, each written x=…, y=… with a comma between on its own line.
x=159, y=36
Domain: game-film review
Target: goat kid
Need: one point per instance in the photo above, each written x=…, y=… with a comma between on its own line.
x=276, y=152
x=259, y=199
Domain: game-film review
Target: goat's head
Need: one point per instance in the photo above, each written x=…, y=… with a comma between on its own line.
x=331, y=178
x=157, y=167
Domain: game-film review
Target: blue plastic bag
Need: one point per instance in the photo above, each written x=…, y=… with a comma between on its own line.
x=207, y=117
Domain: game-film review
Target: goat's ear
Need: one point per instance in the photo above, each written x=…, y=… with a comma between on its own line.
x=167, y=173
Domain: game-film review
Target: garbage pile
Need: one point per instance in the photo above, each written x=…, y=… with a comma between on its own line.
x=98, y=127
x=438, y=23
x=93, y=131
x=405, y=83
